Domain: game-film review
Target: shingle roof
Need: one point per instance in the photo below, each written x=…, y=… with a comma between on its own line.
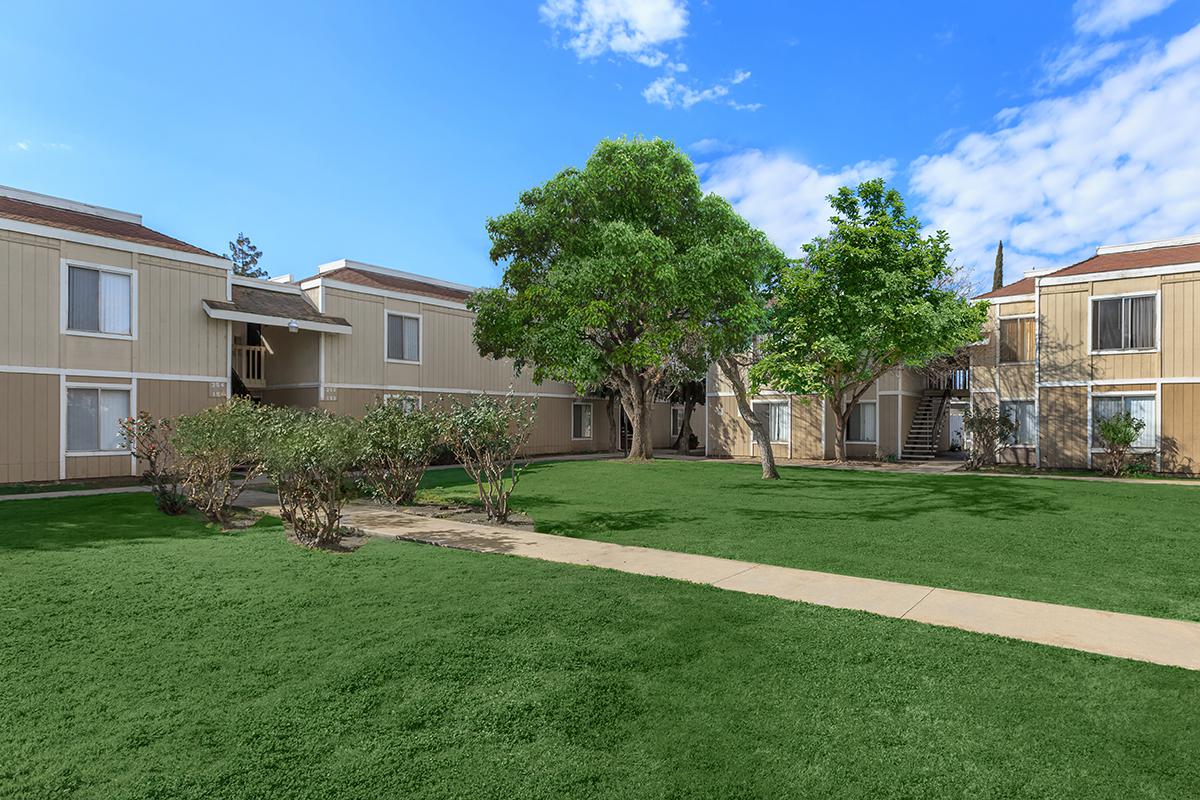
x=1134, y=259
x=268, y=303
x=1023, y=286
x=25, y=211
x=395, y=283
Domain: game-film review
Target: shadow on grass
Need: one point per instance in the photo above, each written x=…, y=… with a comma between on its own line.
x=90, y=522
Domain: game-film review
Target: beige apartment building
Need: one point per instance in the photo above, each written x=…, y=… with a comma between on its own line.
x=104, y=317
x=904, y=415
x=1115, y=332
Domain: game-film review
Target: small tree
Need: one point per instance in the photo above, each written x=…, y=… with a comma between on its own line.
x=245, y=256
x=307, y=454
x=872, y=295
x=398, y=448
x=998, y=272
x=150, y=440
x=1117, y=436
x=990, y=431
x=211, y=445
x=488, y=436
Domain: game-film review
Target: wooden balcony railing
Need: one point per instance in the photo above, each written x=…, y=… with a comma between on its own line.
x=956, y=381
x=248, y=364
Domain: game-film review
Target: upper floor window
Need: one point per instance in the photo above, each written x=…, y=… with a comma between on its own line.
x=1125, y=323
x=861, y=425
x=99, y=300
x=1017, y=342
x=403, y=338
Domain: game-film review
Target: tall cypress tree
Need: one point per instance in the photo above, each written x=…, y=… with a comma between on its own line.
x=998, y=275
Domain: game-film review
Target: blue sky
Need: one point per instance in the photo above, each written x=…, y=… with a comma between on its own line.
x=388, y=133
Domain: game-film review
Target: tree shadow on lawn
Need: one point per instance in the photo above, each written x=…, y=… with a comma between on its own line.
x=875, y=499
x=585, y=526
x=91, y=522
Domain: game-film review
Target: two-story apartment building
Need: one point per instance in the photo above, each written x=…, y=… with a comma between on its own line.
x=99, y=317
x=903, y=415
x=104, y=317
x=1115, y=332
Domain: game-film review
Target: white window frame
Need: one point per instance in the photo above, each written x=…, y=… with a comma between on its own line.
x=1091, y=334
x=1000, y=339
x=591, y=421
x=403, y=399
x=1037, y=421
x=64, y=299
x=788, y=406
x=1142, y=395
x=874, y=441
x=128, y=388
x=675, y=431
x=387, y=314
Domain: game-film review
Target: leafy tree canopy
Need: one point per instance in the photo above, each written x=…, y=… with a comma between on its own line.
x=245, y=256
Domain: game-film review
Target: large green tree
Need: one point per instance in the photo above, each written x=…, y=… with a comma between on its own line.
x=613, y=277
x=871, y=295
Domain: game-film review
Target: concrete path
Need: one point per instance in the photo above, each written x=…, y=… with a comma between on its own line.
x=1159, y=641
x=73, y=493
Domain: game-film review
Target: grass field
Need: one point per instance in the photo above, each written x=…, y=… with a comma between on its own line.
x=144, y=656
x=1123, y=547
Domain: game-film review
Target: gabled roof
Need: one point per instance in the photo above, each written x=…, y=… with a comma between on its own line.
x=397, y=283
x=1016, y=289
x=114, y=225
x=1133, y=259
x=273, y=307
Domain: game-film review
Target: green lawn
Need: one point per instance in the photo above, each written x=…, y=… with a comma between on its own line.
x=144, y=656
x=1124, y=547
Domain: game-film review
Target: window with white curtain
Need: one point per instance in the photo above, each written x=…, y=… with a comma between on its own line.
x=99, y=301
x=861, y=427
x=1023, y=414
x=94, y=419
x=403, y=338
x=776, y=419
x=581, y=420
x=1125, y=323
x=676, y=420
x=1139, y=407
x=408, y=403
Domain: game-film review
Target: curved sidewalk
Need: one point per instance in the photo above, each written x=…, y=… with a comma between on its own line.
x=1159, y=641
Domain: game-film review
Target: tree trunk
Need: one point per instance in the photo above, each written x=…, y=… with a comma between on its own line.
x=841, y=421
x=614, y=426
x=758, y=431
x=636, y=407
x=684, y=440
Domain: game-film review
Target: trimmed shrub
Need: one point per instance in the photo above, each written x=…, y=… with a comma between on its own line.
x=990, y=433
x=1117, y=435
x=211, y=445
x=308, y=454
x=398, y=447
x=488, y=436
x=151, y=440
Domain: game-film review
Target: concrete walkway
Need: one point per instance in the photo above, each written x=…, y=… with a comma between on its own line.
x=73, y=493
x=1159, y=641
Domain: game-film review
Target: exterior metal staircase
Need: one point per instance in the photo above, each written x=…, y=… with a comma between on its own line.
x=922, y=440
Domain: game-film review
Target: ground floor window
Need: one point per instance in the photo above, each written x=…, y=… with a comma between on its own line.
x=1139, y=407
x=408, y=403
x=94, y=419
x=861, y=427
x=776, y=420
x=676, y=420
x=581, y=420
x=1023, y=414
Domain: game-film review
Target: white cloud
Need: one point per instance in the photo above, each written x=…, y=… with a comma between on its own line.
x=1078, y=61
x=25, y=146
x=783, y=196
x=1118, y=161
x=671, y=93
x=633, y=28
x=1106, y=17
x=709, y=146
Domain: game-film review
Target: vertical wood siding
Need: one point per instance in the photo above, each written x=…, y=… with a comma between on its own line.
x=29, y=427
